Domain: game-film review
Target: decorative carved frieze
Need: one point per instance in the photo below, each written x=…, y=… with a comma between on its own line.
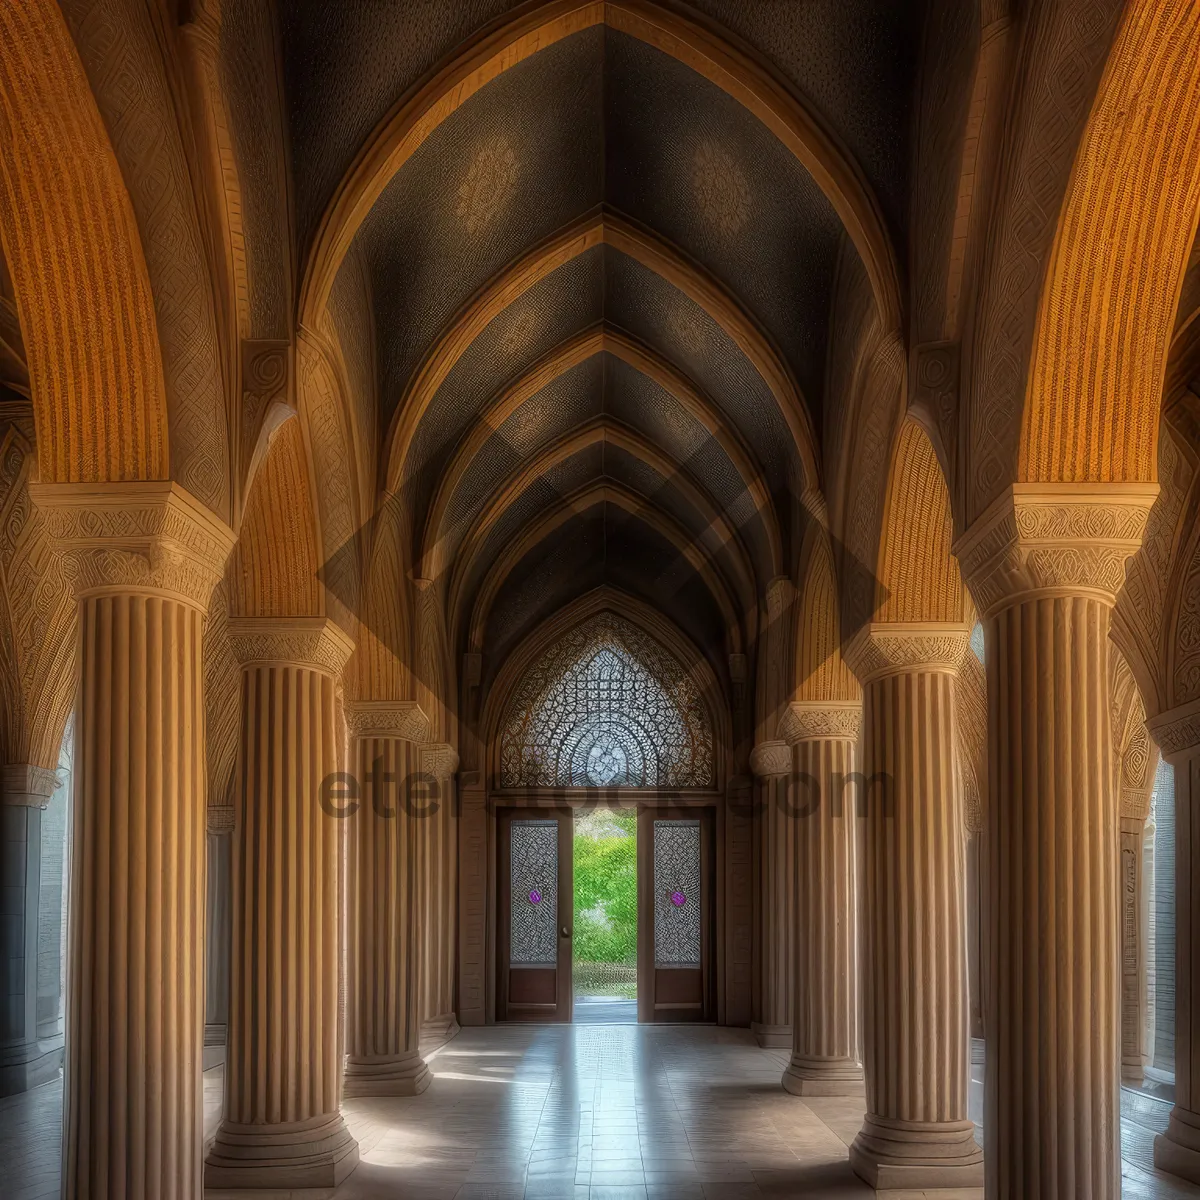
x=891, y=648
x=440, y=760
x=403, y=719
x=1177, y=731
x=141, y=535
x=771, y=758
x=313, y=642
x=220, y=818
x=811, y=720
x=1055, y=539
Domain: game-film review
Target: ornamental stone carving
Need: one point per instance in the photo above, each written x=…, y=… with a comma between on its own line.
x=220, y=818
x=1054, y=538
x=403, y=719
x=895, y=647
x=771, y=758
x=141, y=535
x=440, y=760
x=313, y=642
x=27, y=786
x=812, y=720
x=1177, y=731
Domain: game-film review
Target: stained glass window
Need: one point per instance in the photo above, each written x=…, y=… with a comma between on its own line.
x=607, y=706
x=533, y=872
x=677, y=893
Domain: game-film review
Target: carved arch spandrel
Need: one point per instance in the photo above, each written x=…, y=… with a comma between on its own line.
x=273, y=569
x=650, y=252
x=37, y=618
x=821, y=674
x=222, y=700
x=1126, y=228
x=918, y=577
x=120, y=41
x=74, y=250
x=602, y=338
x=637, y=507
x=485, y=58
x=646, y=618
x=1135, y=758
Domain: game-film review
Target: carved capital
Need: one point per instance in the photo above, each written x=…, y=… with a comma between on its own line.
x=27, y=786
x=1177, y=731
x=821, y=720
x=145, y=535
x=316, y=643
x=440, y=760
x=220, y=818
x=771, y=758
x=403, y=719
x=1054, y=539
x=894, y=648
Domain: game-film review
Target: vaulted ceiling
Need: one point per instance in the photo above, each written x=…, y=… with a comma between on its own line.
x=600, y=277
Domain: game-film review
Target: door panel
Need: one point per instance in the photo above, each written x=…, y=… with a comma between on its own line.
x=536, y=912
x=675, y=903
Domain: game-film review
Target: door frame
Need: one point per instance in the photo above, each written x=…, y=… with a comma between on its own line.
x=561, y=1011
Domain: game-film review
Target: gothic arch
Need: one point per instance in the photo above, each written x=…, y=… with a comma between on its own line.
x=651, y=625
x=73, y=247
x=273, y=571
x=406, y=128
x=652, y=253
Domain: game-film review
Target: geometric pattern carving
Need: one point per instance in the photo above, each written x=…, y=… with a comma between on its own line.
x=606, y=706
x=533, y=870
x=677, y=893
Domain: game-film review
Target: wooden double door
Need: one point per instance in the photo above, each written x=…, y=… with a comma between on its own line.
x=676, y=907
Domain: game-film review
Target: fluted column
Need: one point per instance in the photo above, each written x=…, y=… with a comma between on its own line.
x=281, y=1127
x=439, y=871
x=917, y=1133
x=1045, y=564
x=143, y=559
x=384, y=921
x=1134, y=929
x=25, y=1058
x=771, y=763
x=1178, y=736
x=822, y=803
x=218, y=931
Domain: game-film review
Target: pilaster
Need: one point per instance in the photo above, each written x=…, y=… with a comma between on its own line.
x=439, y=764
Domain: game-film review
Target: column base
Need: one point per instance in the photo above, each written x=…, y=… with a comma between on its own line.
x=303, y=1154
x=30, y=1065
x=807, y=1075
x=919, y=1156
x=1178, y=1150
x=773, y=1037
x=385, y=1075
x=435, y=1031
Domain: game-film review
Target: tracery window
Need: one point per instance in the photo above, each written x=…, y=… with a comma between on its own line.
x=606, y=706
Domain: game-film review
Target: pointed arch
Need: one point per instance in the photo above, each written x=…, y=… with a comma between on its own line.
x=405, y=129
x=273, y=572
x=72, y=245
x=821, y=672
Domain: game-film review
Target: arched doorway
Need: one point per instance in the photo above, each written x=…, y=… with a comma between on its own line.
x=606, y=717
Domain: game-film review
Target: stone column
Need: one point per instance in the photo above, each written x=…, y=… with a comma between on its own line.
x=26, y=1059
x=143, y=559
x=384, y=919
x=439, y=859
x=1045, y=563
x=771, y=763
x=825, y=1053
x=1134, y=931
x=1177, y=733
x=917, y=1133
x=281, y=1127
x=218, y=932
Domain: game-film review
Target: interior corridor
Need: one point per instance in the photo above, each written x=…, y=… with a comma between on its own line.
x=582, y=1112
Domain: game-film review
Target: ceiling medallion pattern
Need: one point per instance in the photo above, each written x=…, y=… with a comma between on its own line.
x=606, y=707
x=488, y=184
x=721, y=189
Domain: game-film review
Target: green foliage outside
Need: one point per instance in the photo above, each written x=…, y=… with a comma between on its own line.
x=606, y=903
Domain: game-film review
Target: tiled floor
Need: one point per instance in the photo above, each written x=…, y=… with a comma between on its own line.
x=603, y=1010
x=584, y=1112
